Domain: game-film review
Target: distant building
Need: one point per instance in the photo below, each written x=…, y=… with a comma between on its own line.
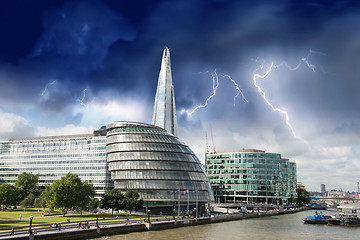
x=323, y=189
x=251, y=176
x=53, y=157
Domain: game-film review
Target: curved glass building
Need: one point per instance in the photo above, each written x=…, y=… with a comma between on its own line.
x=164, y=171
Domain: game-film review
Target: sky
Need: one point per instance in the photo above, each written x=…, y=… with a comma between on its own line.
x=280, y=76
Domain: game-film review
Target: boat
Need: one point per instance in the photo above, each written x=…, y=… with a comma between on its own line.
x=317, y=219
x=353, y=221
x=338, y=219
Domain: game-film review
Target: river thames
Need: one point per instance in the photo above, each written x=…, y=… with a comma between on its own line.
x=288, y=226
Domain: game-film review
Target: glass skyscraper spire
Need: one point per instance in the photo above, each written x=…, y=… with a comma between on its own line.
x=164, y=107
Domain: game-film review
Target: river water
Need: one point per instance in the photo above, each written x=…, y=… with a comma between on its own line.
x=288, y=226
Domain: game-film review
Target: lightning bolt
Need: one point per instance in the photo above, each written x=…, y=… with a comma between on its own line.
x=215, y=80
x=82, y=100
x=44, y=92
x=215, y=85
x=273, y=66
x=237, y=88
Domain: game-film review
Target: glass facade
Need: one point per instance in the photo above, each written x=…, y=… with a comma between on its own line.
x=251, y=176
x=53, y=157
x=155, y=163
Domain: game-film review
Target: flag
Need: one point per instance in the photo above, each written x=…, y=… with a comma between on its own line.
x=186, y=191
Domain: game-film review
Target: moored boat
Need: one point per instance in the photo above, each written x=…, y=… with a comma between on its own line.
x=317, y=219
x=351, y=222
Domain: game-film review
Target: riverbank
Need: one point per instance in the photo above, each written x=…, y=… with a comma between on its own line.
x=122, y=227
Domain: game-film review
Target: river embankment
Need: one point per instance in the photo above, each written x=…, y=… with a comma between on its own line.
x=161, y=223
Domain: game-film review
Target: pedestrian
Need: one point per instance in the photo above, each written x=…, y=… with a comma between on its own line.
x=79, y=225
x=88, y=225
x=20, y=216
x=12, y=231
x=59, y=227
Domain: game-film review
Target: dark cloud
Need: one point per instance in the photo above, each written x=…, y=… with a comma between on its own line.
x=113, y=49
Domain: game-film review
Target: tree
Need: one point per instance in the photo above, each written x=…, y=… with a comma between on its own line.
x=40, y=202
x=303, y=196
x=113, y=199
x=132, y=201
x=86, y=194
x=68, y=192
x=292, y=199
x=26, y=183
x=28, y=201
x=8, y=195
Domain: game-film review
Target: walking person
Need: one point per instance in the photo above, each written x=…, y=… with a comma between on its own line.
x=12, y=231
x=20, y=216
x=59, y=227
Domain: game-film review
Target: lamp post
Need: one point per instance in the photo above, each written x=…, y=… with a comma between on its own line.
x=174, y=213
x=148, y=215
x=97, y=219
x=30, y=231
x=195, y=211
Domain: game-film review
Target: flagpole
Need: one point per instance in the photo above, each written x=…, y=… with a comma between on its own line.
x=179, y=203
x=188, y=201
x=197, y=207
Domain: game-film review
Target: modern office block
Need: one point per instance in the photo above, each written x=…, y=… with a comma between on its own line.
x=251, y=176
x=53, y=157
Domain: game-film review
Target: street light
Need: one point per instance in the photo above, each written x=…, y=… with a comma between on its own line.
x=174, y=213
x=149, y=216
x=31, y=218
x=195, y=211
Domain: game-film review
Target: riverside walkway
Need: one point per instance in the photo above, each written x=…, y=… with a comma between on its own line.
x=73, y=231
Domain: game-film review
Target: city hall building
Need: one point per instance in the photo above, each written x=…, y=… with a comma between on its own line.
x=251, y=176
x=148, y=158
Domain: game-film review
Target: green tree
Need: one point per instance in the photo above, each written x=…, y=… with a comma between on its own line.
x=40, y=202
x=26, y=183
x=132, y=201
x=8, y=195
x=303, y=196
x=68, y=192
x=292, y=199
x=28, y=201
x=86, y=194
x=112, y=199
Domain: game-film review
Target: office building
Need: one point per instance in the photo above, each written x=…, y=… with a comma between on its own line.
x=251, y=176
x=53, y=157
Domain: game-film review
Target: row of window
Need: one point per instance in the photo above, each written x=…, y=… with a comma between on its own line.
x=155, y=165
x=159, y=184
x=147, y=147
x=170, y=156
x=143, y=138
x=161, y=175
x=243, y=155
x=166, y=194
x=134, y=129
x=248, y=160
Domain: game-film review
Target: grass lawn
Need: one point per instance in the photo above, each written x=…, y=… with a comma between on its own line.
x=15, y=214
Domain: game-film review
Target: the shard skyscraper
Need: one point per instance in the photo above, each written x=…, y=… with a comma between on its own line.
x=164, y=108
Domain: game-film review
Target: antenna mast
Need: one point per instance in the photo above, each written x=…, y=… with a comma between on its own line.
x=207, y=144
x=212, y=139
